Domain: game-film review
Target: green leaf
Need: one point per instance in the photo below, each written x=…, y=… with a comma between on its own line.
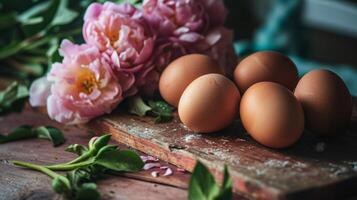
x=80, y=181
x=162, y=111
x=19, y=133
x=226, y=188
x=64, y=15
x=119, y=160
x=78, y=176
x=10, y=49
x=95, y=144
x=31, y=68
x=43, y=13
x=202, y=185
x=13, y=98
x=77, y=149
x=52, y=53
x=87, y=191
x=99, y=142
x=33, y=12
x=26, y=132
x=137, y=106
x=59, y=185
x=50, y=133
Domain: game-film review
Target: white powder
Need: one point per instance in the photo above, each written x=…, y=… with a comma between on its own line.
x=190, y=137
x=277, y=163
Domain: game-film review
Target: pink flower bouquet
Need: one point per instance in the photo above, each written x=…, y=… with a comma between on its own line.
x=126, y=49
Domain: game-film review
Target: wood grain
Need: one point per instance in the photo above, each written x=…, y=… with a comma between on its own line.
x=313, y=168
x=17, y=183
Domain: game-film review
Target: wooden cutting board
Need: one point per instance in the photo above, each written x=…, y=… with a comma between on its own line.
x=314, y=168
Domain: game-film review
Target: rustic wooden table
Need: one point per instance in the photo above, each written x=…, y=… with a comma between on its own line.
x=329, y=174
x=17, y=183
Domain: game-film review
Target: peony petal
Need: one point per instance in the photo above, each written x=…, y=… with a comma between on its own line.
x=213, y=37
x=67, y=48
x=115, y=59
x=168, y=172
x=155, y=173
x=181, y=170
x=147, y=159
x=148, y=166
x=57, y=111
x=40, y=90
x=190, y=37
x=93, y=11
x=146, y=51
x=126, y=80
x=181, y=30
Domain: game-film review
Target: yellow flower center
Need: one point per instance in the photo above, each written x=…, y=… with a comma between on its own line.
x=113, y=36
x=86, y=81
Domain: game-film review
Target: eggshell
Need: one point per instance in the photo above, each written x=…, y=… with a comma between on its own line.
x=272, y=115
x=209, y=103
x=181, y=72
x=326, y=101
x=266, y=66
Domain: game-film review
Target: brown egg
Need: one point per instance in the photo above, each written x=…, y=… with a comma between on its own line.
x=266, y=66
x=209, y=103
x=181, y=72
x=326, y=101
x=272, y=115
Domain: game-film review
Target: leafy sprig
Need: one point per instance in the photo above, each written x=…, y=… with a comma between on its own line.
x=13, y=98
x=30, y=33
x=162, y=111
x=202, y=185
x=93, y=161
x=26, y=132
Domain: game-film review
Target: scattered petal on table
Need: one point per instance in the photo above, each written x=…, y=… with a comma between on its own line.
x=147, y=159
x=164, y=167
x=148, y=166
x=155, y=173
x=181, y=170
x=168, y=172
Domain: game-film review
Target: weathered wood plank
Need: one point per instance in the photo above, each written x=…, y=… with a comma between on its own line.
x=313, y=168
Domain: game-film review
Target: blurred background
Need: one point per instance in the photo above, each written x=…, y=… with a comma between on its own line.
x=314, y=33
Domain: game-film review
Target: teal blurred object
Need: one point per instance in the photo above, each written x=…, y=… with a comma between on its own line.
x=280, y=32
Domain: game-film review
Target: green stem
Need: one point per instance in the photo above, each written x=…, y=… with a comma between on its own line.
x=81, y=158
x=68, y=167
x=33, y=42
x=45, y=40
x=42, y=169
x=36, y=167
x=31, y=59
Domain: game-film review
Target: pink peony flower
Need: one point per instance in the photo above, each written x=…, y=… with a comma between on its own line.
x=83, y=85
x=184, y=20
x=190, y=26
x=120, y=31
